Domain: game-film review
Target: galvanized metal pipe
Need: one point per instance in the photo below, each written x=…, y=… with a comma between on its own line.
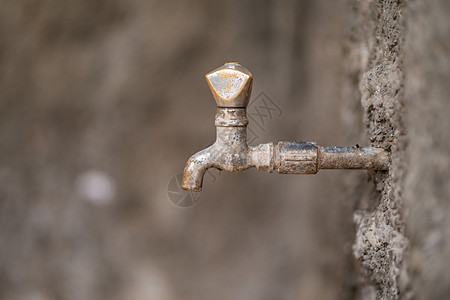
x=369, y=158
x=309, y=158
x=231, y=85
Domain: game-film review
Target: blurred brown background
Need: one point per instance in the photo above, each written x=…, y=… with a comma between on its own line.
x=101, y=104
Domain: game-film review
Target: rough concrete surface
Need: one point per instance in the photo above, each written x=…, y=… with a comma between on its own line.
x=402, y=234
x=380, y=244
x=427, y=188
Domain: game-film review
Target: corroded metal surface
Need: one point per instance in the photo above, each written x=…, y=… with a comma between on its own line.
x=308, y=158
x=296, y=158
x=353, y=158
x=229, y=117
x=231, y=86
x=230, y=152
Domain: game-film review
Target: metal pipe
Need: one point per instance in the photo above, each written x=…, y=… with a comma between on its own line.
x=353, y=158
x=231, y=86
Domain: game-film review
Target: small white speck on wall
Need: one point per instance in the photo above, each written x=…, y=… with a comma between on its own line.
x=96, y=186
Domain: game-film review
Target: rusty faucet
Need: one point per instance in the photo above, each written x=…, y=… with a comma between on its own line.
x=231, y=86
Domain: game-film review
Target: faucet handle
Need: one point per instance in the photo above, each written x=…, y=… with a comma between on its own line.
x=231, y=85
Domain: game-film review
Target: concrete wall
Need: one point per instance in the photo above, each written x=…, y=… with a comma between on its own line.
x=402, y=239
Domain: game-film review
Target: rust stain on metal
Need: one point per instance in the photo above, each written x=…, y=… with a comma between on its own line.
x=297, y=158
x=230, y=84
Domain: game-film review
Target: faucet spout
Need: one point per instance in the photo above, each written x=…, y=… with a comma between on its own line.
x=230, y=152
x=195, y=170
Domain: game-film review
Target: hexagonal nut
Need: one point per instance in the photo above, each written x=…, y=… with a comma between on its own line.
x=231, y=85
